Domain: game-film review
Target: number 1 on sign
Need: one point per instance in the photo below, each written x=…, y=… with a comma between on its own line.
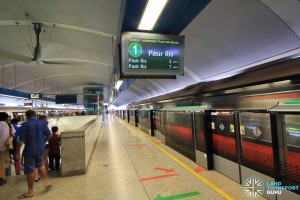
x=135, y=49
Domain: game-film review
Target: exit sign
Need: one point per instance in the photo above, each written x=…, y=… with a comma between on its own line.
x=35, y=96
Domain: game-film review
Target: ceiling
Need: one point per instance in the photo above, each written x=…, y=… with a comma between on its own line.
x=225, y=39
x=80, y=45
x=80, y=38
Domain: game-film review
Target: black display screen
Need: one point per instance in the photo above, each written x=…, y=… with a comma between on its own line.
x=152, y=54
x=66, y=99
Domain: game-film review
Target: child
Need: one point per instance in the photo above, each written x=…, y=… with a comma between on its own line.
x=54, y=149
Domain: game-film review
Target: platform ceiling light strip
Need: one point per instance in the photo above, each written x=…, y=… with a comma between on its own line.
x=118, y=85
x=151, y=14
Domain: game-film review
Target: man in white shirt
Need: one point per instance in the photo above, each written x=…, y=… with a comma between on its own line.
x=5, y=132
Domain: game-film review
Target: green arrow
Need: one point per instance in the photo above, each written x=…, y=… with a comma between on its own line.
x=179, y=196
x=292, y=102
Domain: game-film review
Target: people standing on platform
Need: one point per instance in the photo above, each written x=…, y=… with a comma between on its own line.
x=43, y=118
x=46, y=152
x=5, y=132
x=33, y=134
x=54, y=149
x=14, y=123
x=113, y=113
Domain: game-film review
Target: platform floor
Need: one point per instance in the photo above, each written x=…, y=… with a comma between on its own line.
x=129, y=165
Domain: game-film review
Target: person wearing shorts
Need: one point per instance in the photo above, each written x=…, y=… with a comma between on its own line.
x=30, y=163
x=33, y=133
x=43, y=118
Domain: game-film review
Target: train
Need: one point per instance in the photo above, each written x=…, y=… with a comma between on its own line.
x=241, y=130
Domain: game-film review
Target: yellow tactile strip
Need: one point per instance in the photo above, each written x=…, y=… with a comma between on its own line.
x=207, y=182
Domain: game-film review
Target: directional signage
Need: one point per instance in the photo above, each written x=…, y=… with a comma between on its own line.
x=179, y=196
x=167, y=174
x=165, y=170
x=242, y=130
x=213, y=125
x=222, y=127
x=232, y=128
x=257, y=131
x=148, y=54
x=35, y=96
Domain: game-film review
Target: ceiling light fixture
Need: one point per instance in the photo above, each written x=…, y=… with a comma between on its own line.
x=118, y=85
x=151, y=13
x=294, y=57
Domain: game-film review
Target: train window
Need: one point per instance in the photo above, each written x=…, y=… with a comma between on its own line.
x=137, y=117
x=290, y=166
x=224, y=143
x=256, y=142
x=156, y=119
x=199, y=130
x=131, y=117
x=144, y=121
x=162, y=122
x=125, y=117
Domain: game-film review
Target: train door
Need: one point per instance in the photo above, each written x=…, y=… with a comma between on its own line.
x=155, y=122
x=151, y=121
x=287, y=133
x=256, y=148
x=224, y=145
x=128, y=116
x=179, y=132
x=132, y=117
x=203, y=139
x=162, y=126
x=145, y=121
x=124, y=114
x=176, y=130
x=136, y=117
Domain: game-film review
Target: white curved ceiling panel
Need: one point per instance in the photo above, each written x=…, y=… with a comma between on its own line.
x=127, y=97
x=98, y=15
x=80, y=45
x=231, y=34
x=288, y=11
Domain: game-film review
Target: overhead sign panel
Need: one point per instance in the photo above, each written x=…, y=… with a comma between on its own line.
x=151, y=55
x=35, y=96
x=66, y=99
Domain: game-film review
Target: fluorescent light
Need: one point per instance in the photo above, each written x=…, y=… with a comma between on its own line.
x=151, y=14
x=119, y=83
x=298, y=56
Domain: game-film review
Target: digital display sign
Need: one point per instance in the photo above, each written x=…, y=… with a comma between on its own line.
x=148, y=54
x=66, y=99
